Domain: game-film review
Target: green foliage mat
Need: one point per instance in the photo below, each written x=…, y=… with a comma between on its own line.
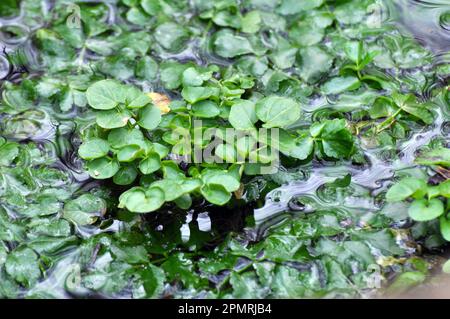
x=93, y=199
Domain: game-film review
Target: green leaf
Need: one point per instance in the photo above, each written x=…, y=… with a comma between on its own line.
x=315, y=62
x=221, y=177
x=444, y=188
x=171, y=36
x=103, y=168
x=245, y=286
x=84, y=210
x=137, y=16
x=129, y=153
x=149, y=117
x=290, y=7
x=153, y=279
x=341, y=84
x=276, y=111
x=338, y=144
x=438, y=156
x=180, y=267
x=422, y=210
x=205, y=109
x=140, y=200
x=113, y=119
x=227, y=153
x=251, y=22
x=126, y=175
x=93, y=148
x=216, y=194
x=23, y=266
x=407, y=187
x=105, y=95
x=300, y=148
x=8, y=152
x=147, y=69
x=121, y=137
x=303, y=148
x=130, y=254
x=135, y=98
x=193, y=77
x=243, y=115
x=150, y=164
x=151, y=7
x=194, y=94
x=354, y=50
x=406, y=281
x=228, y=45
x=409, y=104
x=171, y=74
x=445, y=227
x=446, y=267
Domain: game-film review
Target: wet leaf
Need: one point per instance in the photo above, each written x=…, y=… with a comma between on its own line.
x=341, y=84
x=277, y=111
x=23, y=266
x=243, y=115
x=228, y=45
x=84, y=210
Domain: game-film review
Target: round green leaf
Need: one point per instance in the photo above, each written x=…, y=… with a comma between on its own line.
x=422, y=210
x=276, y=111
x=139, y=200
x=113, y=119
x=150, y=164
x=129, y=153
x=216, y=194
x=105, y=94
x=205, y=109
x=219, y=177
x=243, y=115
x=126, y=175
x=149, y=117
x=103, y=168
x=93, y=148
x=121, y=137
x=171, y=187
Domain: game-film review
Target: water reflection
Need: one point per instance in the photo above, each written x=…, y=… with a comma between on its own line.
x=206, y=225
x=427, y=21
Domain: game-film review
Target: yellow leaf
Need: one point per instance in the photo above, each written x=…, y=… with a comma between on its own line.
x=161, y=101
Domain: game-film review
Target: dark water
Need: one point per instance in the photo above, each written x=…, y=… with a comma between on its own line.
x=427, y=21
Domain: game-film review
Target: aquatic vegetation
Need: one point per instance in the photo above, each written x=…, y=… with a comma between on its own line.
x=430, y=201
x=217, y=149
